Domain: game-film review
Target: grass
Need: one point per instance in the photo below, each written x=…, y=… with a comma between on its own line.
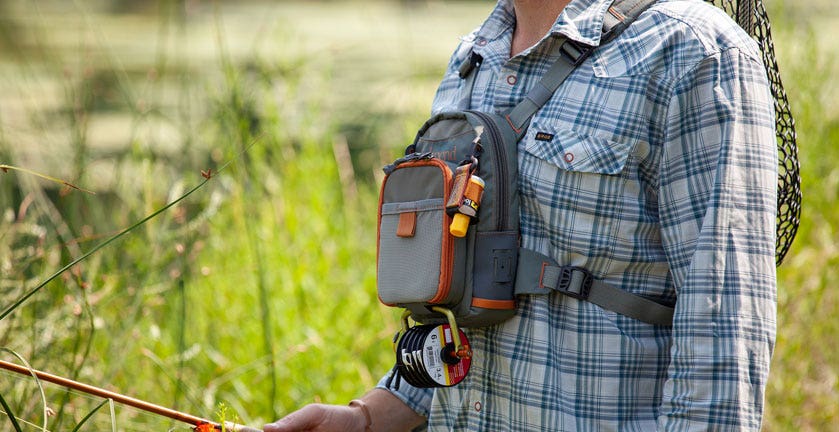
x=803, y=391
x=259, y=291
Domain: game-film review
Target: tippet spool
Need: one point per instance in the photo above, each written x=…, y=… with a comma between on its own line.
x=428, y=356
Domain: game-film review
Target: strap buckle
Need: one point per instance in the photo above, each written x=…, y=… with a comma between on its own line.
x=467, y=66
x=575, y=51
x=575, y=282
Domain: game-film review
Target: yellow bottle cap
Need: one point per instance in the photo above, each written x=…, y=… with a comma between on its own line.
x=460, y=223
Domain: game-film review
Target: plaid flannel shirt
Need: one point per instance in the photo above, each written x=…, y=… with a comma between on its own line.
x=653, y=166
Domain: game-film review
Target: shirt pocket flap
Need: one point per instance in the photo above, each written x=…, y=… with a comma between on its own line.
x=572, y=151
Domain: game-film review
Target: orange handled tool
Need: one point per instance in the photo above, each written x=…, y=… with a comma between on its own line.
x=468, y=207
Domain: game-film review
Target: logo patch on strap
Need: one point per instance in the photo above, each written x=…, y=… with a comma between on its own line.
x=544, y=136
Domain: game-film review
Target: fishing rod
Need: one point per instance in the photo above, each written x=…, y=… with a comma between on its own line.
x=199, y=424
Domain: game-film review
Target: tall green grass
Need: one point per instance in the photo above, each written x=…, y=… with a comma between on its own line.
x=803, y=391
x=258, y=291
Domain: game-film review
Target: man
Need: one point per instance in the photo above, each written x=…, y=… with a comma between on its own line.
x=654, y=167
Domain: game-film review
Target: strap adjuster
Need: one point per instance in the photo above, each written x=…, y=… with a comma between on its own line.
x=474, y=61
x=575, y=51
x=575, y=282
x=539, y=274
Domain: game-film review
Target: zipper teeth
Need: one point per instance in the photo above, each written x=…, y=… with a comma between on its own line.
x=447, y=240
x=501, y=166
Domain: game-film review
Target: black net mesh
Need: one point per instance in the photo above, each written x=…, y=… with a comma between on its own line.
x=752, y=17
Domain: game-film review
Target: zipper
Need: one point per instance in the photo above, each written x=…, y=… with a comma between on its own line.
x=500, y=160
x=412, y=157
x=447, y=257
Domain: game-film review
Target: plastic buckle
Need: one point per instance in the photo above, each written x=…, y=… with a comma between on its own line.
x=466, y=68
x=575, y=282
x=575, y=51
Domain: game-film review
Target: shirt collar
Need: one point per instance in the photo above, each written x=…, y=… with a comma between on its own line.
x=581, y=20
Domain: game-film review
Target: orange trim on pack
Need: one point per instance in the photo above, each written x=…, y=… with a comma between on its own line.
x=447, y=254
x=379, y=237
x=494, y=304
x=616, y=13
x=510, y=121
x=542, y=276
x=447, y=243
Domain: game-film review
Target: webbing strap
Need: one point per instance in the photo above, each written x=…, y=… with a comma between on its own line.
x=537, y=274
x=571, y=54
x=620, y=15
x=467, y=73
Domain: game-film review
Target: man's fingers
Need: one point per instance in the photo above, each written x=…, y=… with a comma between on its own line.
x=304, y=419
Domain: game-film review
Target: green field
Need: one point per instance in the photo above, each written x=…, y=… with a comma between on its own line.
x=256, y=293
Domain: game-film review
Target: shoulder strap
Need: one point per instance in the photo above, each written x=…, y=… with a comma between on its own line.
x=537, y=273
x=571, y=54
x=473, y=62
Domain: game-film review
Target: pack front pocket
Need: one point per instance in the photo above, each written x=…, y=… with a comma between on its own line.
x=415, y=250
x=411, y=248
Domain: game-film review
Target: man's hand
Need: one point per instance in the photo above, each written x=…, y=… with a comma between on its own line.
x=387, y=413
x=320, y=418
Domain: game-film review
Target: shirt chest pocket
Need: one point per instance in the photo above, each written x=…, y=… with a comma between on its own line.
x=576, y=153
x=574, y=188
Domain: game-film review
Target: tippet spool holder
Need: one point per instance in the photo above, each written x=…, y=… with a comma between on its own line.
x=430, y=355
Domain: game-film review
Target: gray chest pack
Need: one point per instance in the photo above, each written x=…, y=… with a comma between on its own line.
x=448, y=233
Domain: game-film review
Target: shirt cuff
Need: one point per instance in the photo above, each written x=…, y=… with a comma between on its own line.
x=418, y=399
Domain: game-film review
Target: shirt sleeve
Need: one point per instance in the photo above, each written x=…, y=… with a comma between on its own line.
x=717, y=205
x=418, y=399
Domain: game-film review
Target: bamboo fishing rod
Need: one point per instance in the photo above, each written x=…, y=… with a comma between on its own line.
x=125, y=400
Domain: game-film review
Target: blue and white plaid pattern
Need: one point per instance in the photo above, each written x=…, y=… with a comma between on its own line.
x=655, y=168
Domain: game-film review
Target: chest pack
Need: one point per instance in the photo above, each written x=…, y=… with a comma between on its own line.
x=448, y=228
x=448, y=221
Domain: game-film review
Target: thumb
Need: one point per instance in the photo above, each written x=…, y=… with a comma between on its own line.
x=304, y=419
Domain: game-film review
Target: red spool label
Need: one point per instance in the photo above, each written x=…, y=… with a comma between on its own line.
x=442, y=373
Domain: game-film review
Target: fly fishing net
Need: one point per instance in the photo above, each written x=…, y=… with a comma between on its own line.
x=752, y=17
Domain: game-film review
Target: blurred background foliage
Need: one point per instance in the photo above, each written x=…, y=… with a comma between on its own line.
x=258, y=291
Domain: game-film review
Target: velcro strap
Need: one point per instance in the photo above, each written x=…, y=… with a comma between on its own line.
x=539, y=274
x=407, y=226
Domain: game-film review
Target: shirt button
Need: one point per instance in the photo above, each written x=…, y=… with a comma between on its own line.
x=512, y=79
x=481, y=42
x=478, y=406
